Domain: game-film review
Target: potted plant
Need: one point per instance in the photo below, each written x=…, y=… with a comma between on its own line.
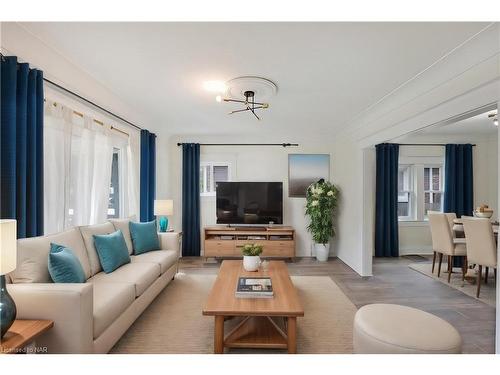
x=251, y=258
x=321, y=202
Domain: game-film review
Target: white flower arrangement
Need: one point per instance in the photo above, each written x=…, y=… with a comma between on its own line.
x=321, y=203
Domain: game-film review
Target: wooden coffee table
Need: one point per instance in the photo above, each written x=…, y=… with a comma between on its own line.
x=266, y=322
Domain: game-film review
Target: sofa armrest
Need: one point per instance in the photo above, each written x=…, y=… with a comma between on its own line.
x=70, y=306
x=170, y=241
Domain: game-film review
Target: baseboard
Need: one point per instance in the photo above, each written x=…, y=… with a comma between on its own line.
x=411, y=250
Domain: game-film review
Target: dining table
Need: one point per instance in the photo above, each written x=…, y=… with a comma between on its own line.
x=458, y=227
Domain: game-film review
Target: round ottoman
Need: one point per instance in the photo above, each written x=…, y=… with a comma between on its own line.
x=393, y=329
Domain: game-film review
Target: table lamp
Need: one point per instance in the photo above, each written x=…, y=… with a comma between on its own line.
x=8, y=258
x=163, y=208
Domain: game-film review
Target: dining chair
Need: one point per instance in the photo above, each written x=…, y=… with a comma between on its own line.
x=450, y=216
x=481, y=247
x=443, y=242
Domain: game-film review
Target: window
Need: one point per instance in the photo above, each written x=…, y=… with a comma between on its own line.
x=210, y=174
x=114, y=186
x=404, y=192
x=433, y=189
x=420, y=189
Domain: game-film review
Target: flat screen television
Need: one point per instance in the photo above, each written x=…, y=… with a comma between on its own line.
x=249, y=203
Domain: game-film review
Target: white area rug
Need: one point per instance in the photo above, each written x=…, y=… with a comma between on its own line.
x=173, y=323
x=488, y=291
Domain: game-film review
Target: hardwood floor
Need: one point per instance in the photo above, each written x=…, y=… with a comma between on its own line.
x=394, y=282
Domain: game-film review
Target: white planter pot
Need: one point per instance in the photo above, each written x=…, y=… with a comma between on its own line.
x=322, y=251
x=251, y=263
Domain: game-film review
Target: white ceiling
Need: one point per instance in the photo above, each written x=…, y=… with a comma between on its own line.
x=325, y=72
x=479, y=125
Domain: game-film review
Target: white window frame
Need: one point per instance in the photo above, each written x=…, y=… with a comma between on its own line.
x=411, y=193
x=211, y=164
x=120, y=143
x=417, y=201
x=441, y=188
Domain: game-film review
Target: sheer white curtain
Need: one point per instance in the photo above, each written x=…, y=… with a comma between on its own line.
x=77, y=161
x=57, y=151
x=91, y=157
x=130, y=175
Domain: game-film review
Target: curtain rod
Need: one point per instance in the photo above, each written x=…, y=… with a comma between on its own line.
x=425, y=144
x=91, y=103
x=86, y=100
x=245, y=144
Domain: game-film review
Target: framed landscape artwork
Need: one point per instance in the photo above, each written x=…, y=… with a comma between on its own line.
x=304, y=169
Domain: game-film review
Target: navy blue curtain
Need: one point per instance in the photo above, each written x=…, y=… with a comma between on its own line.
x=386, y=204
x=458, y=180
x=21, y=154
x=458, y=183
x=148, y=175
x=191, y=199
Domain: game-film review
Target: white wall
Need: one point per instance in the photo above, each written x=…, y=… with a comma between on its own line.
x=461, y=81
x=497, y=338
x=250, y=163
x=355, y=187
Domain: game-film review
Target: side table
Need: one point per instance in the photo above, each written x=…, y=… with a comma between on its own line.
x=21, y=336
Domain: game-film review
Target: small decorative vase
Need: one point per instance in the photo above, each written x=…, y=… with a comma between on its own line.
x=7, y=307
x=322, y=251
x=251, y=263
x=163, y=223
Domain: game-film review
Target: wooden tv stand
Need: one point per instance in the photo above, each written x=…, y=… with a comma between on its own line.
x=227, y=242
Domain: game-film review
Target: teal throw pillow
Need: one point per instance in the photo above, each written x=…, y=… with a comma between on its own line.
x=144, y=237
x=64, y=266
x=112, y=250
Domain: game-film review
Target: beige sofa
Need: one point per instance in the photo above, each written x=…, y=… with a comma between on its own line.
x=89, y=317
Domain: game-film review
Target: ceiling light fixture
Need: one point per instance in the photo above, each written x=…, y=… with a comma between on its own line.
x=494, y=117
x=249, y=103
x=215, y=86
x=244, y=90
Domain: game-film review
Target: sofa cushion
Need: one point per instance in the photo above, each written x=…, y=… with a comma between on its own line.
x=88, y=238
x=112, y=250
x=123, y=225
x=144, y=237
x=33, y=256
x=165, y=258
x=142, y=275
x=110, y=301
x=64, y=266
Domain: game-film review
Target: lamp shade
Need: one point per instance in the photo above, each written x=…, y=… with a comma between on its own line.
x=8, y=246
x=164, y=207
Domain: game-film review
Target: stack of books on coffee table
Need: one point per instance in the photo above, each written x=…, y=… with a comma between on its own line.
x=254, y=287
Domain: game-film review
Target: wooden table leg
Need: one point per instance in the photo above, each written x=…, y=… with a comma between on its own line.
x=219, y=335
x=292, y=334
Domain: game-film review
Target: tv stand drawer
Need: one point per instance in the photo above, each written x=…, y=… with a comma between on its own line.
x=219, y=248
x=279, y=248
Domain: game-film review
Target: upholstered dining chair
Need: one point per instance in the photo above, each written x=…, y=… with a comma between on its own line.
x=451, y=217
x=443, y=243
x=481, y=247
